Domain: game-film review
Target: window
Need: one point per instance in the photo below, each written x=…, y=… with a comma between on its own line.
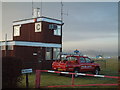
x=56, y=52
x=82, y=60
x=17, y=30
x=3, y=47
x=57, y=31
x=87, y=60
x=71, y=58
x=7, y=47
x=56, y=28
x=10, y=47
x=48, y=53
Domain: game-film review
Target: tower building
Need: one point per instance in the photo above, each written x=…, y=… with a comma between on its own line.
x=36, y=41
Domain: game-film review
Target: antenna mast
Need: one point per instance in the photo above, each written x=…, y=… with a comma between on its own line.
x=32, y=7
x=61, y=11
x=41, y=8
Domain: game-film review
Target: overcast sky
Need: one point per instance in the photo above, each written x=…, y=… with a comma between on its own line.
x=91, y=27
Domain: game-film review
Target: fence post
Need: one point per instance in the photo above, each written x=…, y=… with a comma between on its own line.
x=72, y=79
x=37, y=81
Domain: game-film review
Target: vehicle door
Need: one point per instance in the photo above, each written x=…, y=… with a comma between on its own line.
x=89, y=65
x=82, y=64
x=72, y=62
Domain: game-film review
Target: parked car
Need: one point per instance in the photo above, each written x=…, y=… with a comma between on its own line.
x=76, y=63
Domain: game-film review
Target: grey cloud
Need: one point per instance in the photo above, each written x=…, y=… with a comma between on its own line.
x=88, y=36
x=85, y=20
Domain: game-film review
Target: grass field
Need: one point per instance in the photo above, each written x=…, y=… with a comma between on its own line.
x=109, y=67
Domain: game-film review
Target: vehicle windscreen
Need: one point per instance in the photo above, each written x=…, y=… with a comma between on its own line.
x=61, y=57
x=71, y=58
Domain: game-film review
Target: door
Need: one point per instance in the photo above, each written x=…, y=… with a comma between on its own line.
x=89, y=65
x=82, y=64
x=39, y=58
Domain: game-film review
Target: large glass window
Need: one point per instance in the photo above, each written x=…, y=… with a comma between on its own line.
x=7, y=47
x=87, y=60
x=48, y=53
x=10, y=47
x=56, y=52
x=82, y=60
x=71, y=58
x=3, y=47
x=57, y=31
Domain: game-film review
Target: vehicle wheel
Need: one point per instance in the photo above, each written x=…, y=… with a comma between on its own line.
x=76, y=71
x=61, y=74
x=96, y=72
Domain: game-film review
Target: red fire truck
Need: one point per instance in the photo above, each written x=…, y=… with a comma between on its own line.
x=76, y=63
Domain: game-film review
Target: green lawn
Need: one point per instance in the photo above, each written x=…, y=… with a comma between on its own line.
x=49, y=79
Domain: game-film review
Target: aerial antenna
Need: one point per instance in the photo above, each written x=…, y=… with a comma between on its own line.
x=62, y=12
x=36, y=12
x=32, y=7
x=41, y=8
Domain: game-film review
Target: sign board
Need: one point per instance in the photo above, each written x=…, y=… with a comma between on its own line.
x=38, y=27
x=26, y=71
x=17, y=30
x=34, y=54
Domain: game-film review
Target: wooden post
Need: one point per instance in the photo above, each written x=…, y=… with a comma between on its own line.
x=72, y=79
x=37, y=82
